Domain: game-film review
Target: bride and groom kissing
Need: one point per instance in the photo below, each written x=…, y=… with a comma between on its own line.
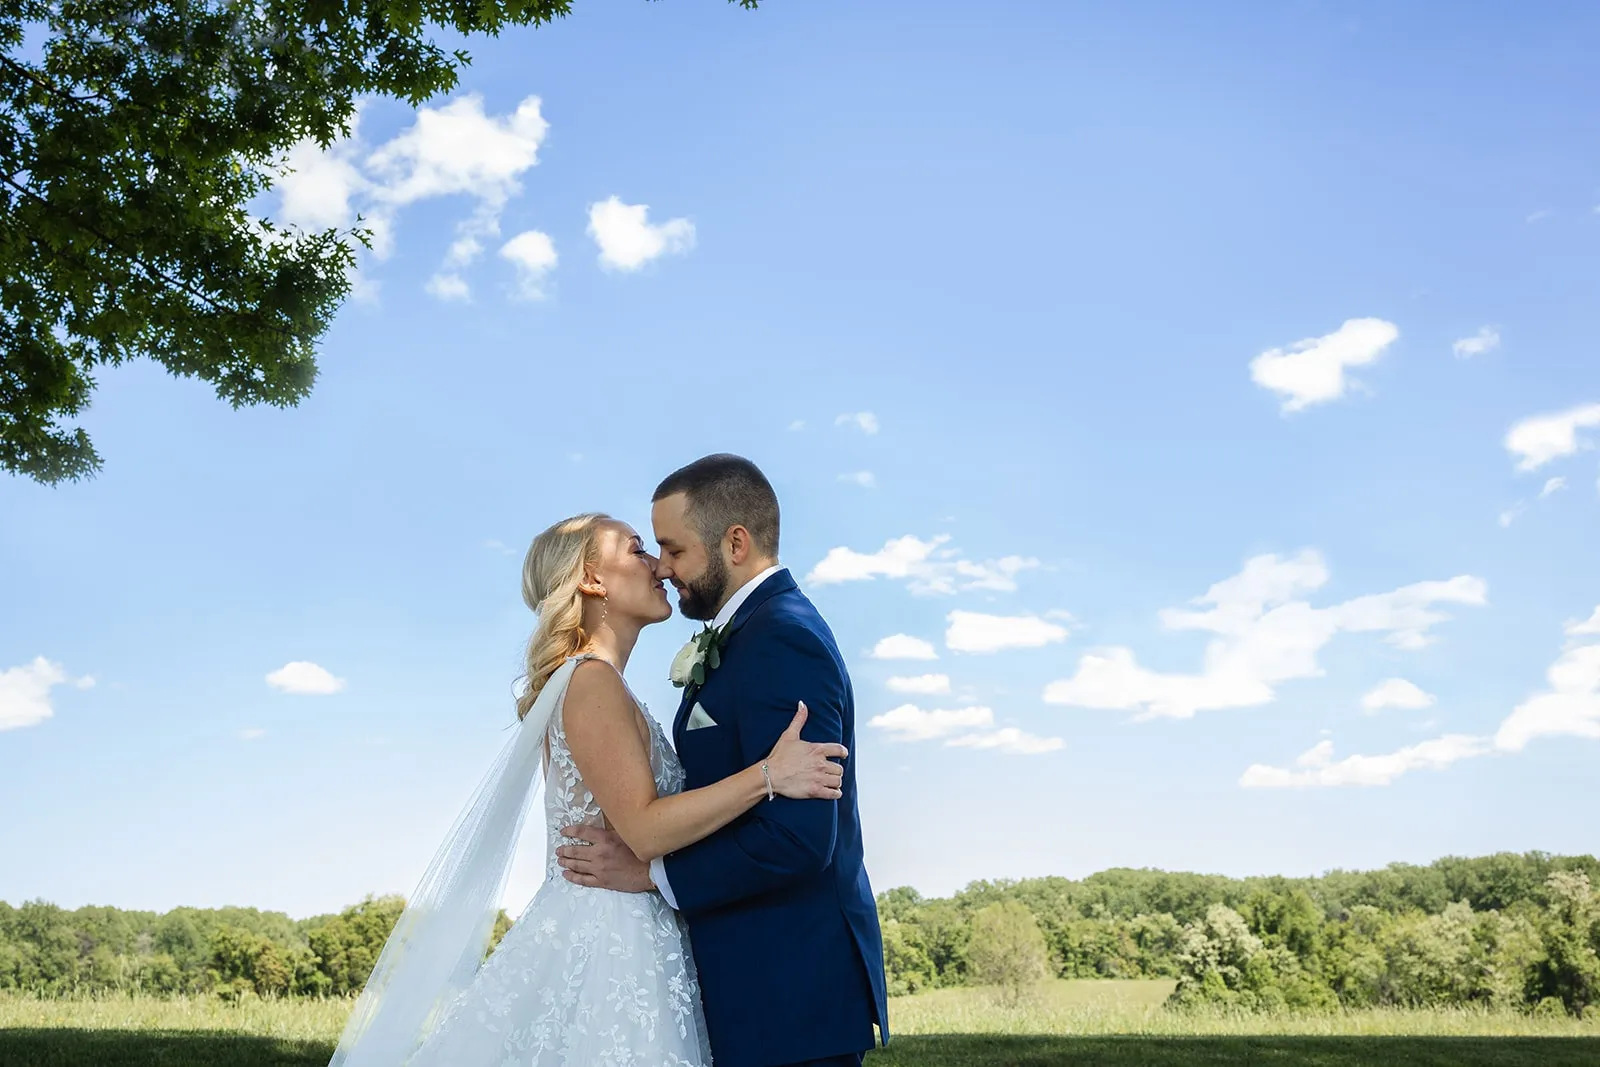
x=705, y=897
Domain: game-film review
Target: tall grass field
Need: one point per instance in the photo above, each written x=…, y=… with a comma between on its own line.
x=1067, y=1022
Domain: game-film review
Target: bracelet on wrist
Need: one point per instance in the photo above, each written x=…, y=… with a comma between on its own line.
x=766, y=775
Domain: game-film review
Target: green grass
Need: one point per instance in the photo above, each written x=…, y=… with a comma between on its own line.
x=1068, y=1023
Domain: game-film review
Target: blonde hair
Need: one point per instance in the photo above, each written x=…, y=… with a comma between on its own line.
x=551, y=573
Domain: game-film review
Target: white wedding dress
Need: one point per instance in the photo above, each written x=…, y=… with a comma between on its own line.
x=586, y=977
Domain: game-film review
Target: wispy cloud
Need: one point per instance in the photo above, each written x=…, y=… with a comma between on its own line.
x=305, y=678
x=927, y=567
x=1313, y=370
x=865, y=421
x=1396, y=693
x=1487, y=339
x=922, y=684
x=454, y=149
x=1009, y=740
x=533, y=254
x=1264, y=632
x=911, y=723
x=628, y=240
x=1570, y=705
x=1316, y=768
x=970, y=727
x=1540, y=439
x=904, y=646
x=25, y=692
x=865, y=479
x=971, y=631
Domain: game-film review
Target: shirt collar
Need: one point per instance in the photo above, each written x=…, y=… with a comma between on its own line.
x=736, y=601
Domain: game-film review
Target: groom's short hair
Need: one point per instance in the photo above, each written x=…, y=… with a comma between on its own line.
x=724, y=491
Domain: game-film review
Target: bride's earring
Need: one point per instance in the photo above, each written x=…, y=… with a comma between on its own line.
x=604, y=603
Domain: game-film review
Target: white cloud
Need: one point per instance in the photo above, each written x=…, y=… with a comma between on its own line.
x=1487, y=339
x=1511, y=514
x=922, y=684
x=865, y=421
x=1009, y=740
x=455, y=149
x=1312, y=371
x=1316, y=767
x=252, y=734
x=1397, y=693
x=450, y=287
x=25, y=692
x=903, y=646
x=1264, y=633
x=797, y=425
x=926, y=566
x=318, y=186
x=911, y=723
x=1588, y=628
x=865, y=479
x=534, y=256
x=970, y=631
x=1569, y=708
x=1540, y=215
x=458, y=149
x=1540, y=439
x=304, y=678
x=628, y=240
x=1554, y=485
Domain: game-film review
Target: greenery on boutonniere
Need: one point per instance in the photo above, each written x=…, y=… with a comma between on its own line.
x=699, y=657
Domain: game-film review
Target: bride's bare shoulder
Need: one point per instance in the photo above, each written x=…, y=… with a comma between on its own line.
x=596, y=683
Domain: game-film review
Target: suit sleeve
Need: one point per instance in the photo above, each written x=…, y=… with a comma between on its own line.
x=781, y=841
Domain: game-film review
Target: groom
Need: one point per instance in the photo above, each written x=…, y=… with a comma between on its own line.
x=780, y=914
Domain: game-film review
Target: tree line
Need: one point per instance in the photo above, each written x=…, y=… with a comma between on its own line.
x=1503, y=931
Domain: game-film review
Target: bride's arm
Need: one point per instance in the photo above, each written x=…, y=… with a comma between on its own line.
x=602, y=731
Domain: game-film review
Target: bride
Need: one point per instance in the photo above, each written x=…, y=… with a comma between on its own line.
x=585, y=976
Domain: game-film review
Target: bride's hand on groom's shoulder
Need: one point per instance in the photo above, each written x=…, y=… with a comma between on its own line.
x=805, y=770
x=599, y=858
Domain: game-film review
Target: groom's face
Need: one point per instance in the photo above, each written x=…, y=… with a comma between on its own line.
x=696, y=570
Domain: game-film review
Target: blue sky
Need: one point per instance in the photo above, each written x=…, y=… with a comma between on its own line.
x=1291, y=308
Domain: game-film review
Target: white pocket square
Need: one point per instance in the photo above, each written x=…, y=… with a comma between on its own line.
x=698, y=719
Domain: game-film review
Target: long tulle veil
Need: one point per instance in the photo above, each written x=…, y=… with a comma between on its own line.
x=439, y=942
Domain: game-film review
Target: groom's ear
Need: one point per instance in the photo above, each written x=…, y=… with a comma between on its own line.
x=739, y=545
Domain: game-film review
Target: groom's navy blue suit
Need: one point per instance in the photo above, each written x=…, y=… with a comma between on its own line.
x=780, y=913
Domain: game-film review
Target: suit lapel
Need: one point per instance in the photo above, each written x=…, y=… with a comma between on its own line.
x=685, y=702
x=780, y=582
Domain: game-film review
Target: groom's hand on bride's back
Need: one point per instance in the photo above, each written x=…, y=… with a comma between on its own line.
x=606, y=862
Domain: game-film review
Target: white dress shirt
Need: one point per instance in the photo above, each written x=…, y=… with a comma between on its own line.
x=658, y=867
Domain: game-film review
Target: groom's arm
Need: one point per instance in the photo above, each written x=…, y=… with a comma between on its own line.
x=781, y=841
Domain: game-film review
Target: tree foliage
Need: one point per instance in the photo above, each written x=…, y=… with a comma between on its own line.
x=1007, y=950
x=134, y=135
x=1503, y=931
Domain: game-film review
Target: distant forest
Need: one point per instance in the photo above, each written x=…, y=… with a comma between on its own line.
x=1505, y=931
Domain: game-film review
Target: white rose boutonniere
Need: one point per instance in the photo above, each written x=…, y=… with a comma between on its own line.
x=698, y=658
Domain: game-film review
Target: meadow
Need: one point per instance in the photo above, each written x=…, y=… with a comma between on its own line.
x=1060, y=1022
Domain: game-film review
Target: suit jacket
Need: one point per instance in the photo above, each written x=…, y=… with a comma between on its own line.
x=780, y=913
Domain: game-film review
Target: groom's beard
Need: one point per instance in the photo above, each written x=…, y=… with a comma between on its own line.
x=704, y=597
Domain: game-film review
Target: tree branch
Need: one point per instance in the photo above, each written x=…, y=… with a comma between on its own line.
x=154, y=273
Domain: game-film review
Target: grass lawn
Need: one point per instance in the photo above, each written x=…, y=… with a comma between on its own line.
x=1079, y=1023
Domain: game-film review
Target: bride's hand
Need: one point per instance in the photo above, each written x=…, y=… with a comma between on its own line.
x=804, y=770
